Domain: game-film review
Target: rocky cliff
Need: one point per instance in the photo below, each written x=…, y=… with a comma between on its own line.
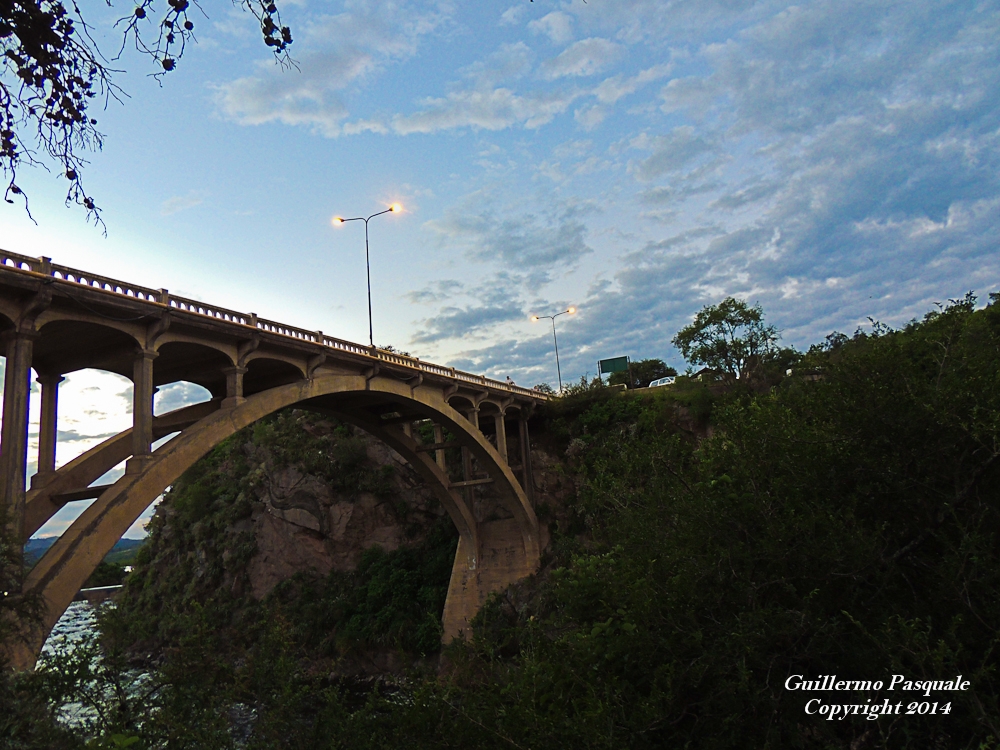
x=295, y=500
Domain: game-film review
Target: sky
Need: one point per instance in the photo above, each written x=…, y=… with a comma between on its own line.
x=636, y=159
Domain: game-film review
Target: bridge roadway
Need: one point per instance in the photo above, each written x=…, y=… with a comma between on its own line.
x=57, y=320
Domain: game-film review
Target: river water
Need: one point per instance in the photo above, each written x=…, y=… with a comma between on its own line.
x=77, y=622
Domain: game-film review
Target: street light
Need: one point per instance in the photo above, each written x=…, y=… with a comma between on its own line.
x=337, y=221
x=536, y=318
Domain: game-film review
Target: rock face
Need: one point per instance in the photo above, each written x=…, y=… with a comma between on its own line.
x=302, y=522
x=293, y=494
x=302, y=525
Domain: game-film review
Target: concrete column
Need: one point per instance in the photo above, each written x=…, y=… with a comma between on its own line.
x=473, y=416
x=14, y=435
x=47, y=428
x=234, y=386
x=408, y=429
x=142, y=410
x=439, y=454
x=466, y=464
x=527, y=483
x=501, y=435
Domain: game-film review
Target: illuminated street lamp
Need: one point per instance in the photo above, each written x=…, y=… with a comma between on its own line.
x=535, y=318
x=337, y=221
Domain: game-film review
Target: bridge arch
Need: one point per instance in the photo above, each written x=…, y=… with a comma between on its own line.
x=490, y=555
x=65, y=346
x=264, y=370
x=8, y=314
x=194, y=362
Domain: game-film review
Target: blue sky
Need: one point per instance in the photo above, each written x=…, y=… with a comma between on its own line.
x=833, y=161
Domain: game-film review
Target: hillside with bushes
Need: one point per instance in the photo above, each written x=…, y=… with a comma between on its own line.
x=710, y=540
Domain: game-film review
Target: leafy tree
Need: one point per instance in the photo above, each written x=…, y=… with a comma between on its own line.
x=730, y=337
x=643, y=372
x=584, y=386
x=19, y=611
x=28, y=719
x=51, y=73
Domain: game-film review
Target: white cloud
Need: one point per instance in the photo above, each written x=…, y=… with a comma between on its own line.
x=671, y=152
x=493, y=232
x=612, y=89
x=343, y=50
x=584, y=58
x=509, y=62
x=590, y=117
x=474, y=320
x=485, y=109
x=512, y=16
x=180, y=203
x=557, y=26
x=363, y=126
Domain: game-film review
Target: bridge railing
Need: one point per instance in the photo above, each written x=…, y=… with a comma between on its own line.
x=296, y=333
x=193, y=305
x=84, y=278
x=13, y=260
x=162, y=296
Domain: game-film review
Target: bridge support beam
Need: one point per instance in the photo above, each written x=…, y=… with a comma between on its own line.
x=142, y=411
x=498, y=420
x=234, y=386
x=14, y=435
x=527, y=482
x=47, y=428
x=439, y=458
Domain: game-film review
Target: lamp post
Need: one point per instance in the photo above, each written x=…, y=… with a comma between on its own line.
x=337, y=221
x=555, y=343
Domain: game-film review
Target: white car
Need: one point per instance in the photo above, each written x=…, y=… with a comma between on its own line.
x=669, y=380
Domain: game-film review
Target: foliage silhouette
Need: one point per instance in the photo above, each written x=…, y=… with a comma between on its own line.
x=52, y=73
x=729, y=337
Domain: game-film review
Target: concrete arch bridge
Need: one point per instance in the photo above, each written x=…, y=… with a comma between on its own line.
x=57, y=320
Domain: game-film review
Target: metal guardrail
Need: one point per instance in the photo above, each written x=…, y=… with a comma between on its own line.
x=9, y=260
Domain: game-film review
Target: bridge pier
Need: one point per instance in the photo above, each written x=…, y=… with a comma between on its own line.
x=527, y=482
x=142, y=411
x=439, y=457
x=501, y=431
x=234, y=386
x=14, y=435
x=47, y=428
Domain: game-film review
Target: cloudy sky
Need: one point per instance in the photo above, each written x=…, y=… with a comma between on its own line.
x=638, y=159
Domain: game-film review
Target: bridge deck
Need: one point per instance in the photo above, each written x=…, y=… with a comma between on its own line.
x=113, y=295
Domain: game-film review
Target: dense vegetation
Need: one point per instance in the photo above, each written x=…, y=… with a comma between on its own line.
x=196, y=560
x=723, y=538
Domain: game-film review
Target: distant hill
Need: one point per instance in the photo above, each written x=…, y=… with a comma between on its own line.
x=122, y=553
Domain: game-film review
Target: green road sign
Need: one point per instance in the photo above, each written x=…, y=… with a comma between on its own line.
x=617, y=364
